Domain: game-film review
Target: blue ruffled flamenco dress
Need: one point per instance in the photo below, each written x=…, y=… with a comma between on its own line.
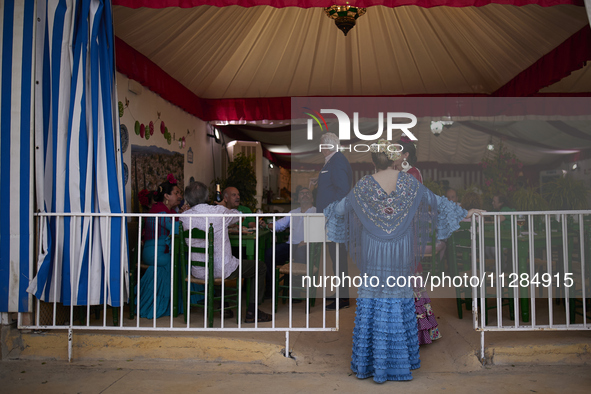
x=384, y=233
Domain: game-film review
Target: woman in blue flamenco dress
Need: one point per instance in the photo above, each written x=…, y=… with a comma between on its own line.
x=385, y=222
x=156, y=250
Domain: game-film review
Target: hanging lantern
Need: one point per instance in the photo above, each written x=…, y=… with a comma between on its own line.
x=344, y=16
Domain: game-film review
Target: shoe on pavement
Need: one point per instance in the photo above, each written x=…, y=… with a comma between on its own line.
x=262, y=317
x=343, y=304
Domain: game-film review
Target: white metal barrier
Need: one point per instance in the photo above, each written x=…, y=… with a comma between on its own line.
x=523, y=257
x=128, y=318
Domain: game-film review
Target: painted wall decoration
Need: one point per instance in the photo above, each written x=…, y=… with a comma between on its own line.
x=149, y=167
x=124, y=138
x=147, y=130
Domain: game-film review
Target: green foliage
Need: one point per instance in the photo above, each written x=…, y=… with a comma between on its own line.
x=566, y=193
x=528, y=199
x=501, y=170
x=435, y=187
x=241, y=175
x=472, y=188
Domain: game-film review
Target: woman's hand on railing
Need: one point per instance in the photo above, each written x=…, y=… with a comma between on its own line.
x=473, y=211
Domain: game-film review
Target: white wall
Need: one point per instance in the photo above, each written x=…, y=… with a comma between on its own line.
x=144, y=108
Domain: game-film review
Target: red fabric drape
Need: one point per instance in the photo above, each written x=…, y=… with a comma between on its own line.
x=328, y=3
x=569, y=56
x=139, y=68
x=271, y=108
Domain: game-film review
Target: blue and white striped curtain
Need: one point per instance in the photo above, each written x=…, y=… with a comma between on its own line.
x=16, y=137
x=82, y=260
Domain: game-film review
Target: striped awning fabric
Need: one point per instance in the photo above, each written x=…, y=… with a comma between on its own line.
x=60, y=107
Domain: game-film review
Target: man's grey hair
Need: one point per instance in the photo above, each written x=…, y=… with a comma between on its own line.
x=330, y=138
x=196, y=193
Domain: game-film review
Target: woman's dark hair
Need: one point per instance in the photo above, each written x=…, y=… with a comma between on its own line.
x=380, y=160
x=409, y=146
x=164, y=188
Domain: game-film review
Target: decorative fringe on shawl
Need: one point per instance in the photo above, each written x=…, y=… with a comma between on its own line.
x=385, y=235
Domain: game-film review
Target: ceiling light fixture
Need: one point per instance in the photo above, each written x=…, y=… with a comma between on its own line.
x=447, y=122
x=490, y=145
x=216, y=135
x=436, y=127
x=344, y=16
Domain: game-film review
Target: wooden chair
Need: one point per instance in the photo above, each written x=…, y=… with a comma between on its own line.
x=298, y=270
x=184, y=253
x=577, y=301
x=431, y=261
x=459, y=256
x=460, y=253
x=132, y=281
x=459, y=250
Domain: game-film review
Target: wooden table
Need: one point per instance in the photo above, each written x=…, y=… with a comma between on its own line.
x=249, y=241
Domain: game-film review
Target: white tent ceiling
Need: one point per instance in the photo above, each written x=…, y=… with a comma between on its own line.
x=237, y=52
x=255, y=52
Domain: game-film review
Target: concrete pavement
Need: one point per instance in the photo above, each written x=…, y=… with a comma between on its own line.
x=207, y=377
x=104, y=362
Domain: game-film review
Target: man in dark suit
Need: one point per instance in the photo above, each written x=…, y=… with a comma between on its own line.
x=334, y=183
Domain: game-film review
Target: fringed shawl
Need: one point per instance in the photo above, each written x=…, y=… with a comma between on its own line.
x=386, y=234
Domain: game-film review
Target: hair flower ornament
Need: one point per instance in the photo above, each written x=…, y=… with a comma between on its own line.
x=143, y=197
x=392, y=151
x=171, y=180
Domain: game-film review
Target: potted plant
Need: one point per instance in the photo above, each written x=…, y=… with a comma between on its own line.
x=242, y=176
x=473, y=188
x=502, y=171
x=528, y=199
x=434, y=186
x=566, y=193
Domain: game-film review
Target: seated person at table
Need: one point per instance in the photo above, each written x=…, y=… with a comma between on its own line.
x=146, y=200
x=500, y=204
x=451, y=195
x=156, y=249
x=299, y=246
x=231, y=200
x=469, y=201
x=196, y=197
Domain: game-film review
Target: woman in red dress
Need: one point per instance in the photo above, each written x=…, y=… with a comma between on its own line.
x=426, y=320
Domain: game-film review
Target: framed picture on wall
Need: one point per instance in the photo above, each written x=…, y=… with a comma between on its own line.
x=149, y=167
x=190, y=156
